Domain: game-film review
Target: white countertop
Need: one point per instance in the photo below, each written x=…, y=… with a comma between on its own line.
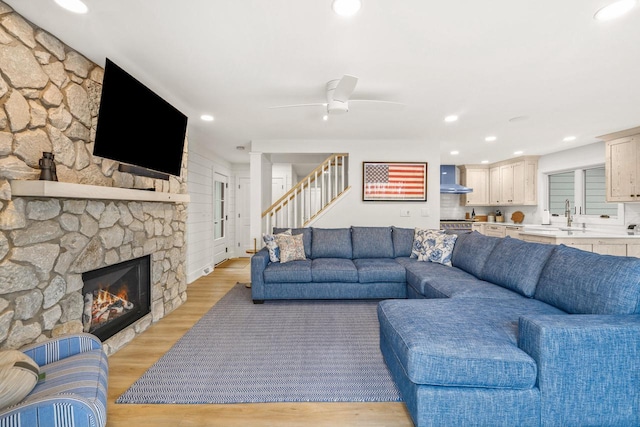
x=577, y=233
x=558, y=231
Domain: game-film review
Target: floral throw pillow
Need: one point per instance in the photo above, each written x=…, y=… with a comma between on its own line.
x=291, y=247
x=433, y=245
x=272, y=245
x=422, y=239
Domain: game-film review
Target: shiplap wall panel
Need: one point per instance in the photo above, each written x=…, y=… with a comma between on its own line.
x=199, y=216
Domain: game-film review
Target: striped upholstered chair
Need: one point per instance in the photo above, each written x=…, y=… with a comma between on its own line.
x=73, y=391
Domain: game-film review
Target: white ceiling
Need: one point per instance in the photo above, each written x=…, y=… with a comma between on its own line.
x=486, y=61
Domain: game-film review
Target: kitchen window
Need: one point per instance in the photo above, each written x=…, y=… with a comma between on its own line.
x=585, y=189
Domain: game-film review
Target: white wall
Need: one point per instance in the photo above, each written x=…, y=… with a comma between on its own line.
x=351, y=210
x=202, y=164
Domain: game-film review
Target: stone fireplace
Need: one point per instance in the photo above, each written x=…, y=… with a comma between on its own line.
x=52, y=233
x=116, y=296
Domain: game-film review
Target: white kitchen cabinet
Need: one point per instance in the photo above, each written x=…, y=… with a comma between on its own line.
x=622, y=165
x=610, y=249
x=494, y=230
x=513, y=231
x=476, y=177
x=514, y=182
x=494, y=186
x=478, y=226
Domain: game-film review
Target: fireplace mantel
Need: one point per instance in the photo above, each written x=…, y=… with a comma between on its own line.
x=68, y=190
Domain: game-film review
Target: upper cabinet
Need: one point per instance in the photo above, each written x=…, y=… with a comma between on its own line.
x=622, y=165
x=511, y=182
x=476, y=177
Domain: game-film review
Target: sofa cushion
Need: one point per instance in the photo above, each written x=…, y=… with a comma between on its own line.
x=306, y=237
x=466, y=342
x=372, y=242
x=433, y=280
x=291, y=247
x=581, y=282
x=516, y=265
x=333, y=270
x=471, y=251
x=372, y=270
x=290, y=272
x=331, y=243
x=402, y=241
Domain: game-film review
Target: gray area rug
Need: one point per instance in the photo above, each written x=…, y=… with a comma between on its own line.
x=279, y=351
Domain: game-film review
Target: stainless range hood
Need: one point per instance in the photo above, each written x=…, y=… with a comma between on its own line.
x=448, y=183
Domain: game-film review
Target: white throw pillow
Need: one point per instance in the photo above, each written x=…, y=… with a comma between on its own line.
x=18, y=376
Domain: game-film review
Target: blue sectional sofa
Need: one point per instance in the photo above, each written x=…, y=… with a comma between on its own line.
x=73, y=391
x=514, y=333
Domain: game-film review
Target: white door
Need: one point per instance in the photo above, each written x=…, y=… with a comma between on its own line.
x=277, y=188
x=220, y=247
x=243, y=220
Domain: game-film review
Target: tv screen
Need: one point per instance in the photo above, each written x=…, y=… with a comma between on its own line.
x=136, y=126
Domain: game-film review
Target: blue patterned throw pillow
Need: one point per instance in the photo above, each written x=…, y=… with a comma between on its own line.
x=433, y=245
x=272, y=245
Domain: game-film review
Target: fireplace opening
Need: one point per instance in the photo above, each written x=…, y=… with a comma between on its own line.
x=116, y=296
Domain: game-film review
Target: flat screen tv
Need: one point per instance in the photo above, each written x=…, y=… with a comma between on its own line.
x=137, y=127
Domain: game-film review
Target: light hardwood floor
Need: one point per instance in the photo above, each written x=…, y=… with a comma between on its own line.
x=129, y=363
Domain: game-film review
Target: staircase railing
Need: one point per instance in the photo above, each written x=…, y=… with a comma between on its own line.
x=310, y=196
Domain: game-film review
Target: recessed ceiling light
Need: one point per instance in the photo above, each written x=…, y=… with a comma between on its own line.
x=490, y=138
x=451, y=118
x=614, y=10
x=346, y=7
x=454, y=153
x=518, y=152
x=325, y=117
x=75, y=6
x=484, y=162
x=569, y=138
x=206, y=117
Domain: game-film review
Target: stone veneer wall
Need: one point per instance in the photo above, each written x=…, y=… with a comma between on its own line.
x=49, y=99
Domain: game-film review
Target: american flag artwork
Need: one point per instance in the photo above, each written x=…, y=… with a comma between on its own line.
x=394, y=181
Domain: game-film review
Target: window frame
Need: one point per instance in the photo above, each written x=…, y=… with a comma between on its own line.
x=579, y=197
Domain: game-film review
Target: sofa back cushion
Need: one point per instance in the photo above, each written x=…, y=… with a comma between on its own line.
x=581, y=282
x=306, y=237
x=331, y=243
x=515, y=264
x=372, y=242
x=471, y=251
x=402, y=241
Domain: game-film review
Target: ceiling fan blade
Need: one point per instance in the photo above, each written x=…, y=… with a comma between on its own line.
x=345, y=88
x=320, y=104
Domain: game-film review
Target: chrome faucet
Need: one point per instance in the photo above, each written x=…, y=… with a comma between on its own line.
x=567, y=212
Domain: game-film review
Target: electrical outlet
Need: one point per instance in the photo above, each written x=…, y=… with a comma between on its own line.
x=405, y=212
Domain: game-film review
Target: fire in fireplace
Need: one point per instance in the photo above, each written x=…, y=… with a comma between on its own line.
x=116, y=296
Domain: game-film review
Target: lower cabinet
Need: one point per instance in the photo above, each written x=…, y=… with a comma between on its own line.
x=494, y=230
x=601, y=246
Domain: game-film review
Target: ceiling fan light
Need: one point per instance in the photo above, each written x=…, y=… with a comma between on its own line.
x=614, y=10
x=346, y=7
x=75, y=6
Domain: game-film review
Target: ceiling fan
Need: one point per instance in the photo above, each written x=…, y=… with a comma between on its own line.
x=338, y=94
